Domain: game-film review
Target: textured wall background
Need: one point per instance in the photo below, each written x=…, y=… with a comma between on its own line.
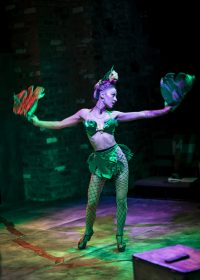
x=66, y=46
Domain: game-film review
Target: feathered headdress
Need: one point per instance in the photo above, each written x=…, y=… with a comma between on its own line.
x=108, y=80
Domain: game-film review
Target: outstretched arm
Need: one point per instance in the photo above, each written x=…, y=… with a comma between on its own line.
x=67, y=122
x=147, y=114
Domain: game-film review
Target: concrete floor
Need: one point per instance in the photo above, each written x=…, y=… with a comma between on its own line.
x=39, y=240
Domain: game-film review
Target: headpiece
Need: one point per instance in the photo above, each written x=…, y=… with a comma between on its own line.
x=109, y=80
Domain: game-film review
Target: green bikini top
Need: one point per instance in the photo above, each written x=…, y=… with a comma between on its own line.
x=108, y=127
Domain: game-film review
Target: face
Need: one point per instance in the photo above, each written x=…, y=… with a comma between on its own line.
x=110, y=97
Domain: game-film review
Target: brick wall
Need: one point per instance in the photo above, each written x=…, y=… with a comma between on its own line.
x=66, y=46
x=11, y=180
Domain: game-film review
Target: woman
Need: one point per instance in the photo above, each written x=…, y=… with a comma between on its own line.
x=109, y=159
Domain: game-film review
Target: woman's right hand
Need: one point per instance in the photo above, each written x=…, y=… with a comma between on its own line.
x=34, y=120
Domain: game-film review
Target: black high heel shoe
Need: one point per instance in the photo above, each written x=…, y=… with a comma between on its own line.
x=121, y=245
x=83, y=241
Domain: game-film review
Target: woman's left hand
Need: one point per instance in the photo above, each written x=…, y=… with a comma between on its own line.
x=168, y=107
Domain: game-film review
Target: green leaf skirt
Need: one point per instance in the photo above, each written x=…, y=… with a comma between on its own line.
x=109, y=162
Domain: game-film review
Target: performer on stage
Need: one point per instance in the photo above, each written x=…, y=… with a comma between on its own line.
x=109, y=159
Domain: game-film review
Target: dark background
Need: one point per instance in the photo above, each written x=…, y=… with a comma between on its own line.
x=71, y=50
x=172, y=28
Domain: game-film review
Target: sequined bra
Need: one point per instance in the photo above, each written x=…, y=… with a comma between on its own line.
x=108, y=127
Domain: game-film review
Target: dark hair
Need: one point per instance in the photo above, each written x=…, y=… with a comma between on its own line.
x=101, y=86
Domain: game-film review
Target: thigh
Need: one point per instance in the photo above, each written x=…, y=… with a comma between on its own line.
x=121, y=180
x=95, y=187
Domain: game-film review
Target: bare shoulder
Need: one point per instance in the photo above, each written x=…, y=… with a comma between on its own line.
x=83, y=113
x=115, y=114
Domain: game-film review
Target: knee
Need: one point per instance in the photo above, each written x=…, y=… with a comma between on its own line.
x=91, y=205
x=122, y=203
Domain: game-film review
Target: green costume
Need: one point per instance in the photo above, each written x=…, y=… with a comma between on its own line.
x=106, y=163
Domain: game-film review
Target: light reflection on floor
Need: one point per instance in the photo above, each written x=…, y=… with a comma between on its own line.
x=39, y=240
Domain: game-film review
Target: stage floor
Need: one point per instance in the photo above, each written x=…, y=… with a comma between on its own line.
x=39, y=240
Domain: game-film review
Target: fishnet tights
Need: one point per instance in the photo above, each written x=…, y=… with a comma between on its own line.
x=95, y=188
